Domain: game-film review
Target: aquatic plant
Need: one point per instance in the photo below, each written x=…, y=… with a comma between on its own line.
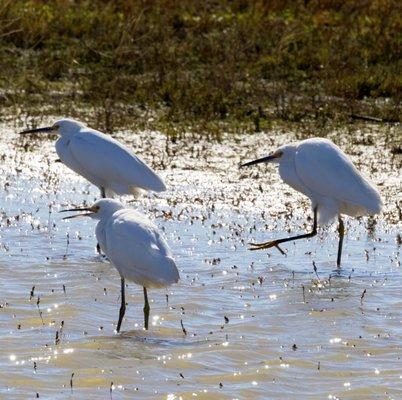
x=236, y=65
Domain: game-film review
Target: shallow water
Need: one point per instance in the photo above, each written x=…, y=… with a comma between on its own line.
x=258, y=324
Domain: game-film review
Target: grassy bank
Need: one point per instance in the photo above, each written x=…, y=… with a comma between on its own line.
x=212, y=65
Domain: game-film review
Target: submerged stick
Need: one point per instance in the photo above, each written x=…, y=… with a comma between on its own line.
x=315, y=270
x=31, y=295
x=39, y=310
x=362, y=296
x=71, y=382
x=182, y=327
x=68, y=242
x=373, y=119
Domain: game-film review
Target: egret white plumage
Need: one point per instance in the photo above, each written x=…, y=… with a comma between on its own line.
x=134, y=246
x=320, y=170
x=102, y=160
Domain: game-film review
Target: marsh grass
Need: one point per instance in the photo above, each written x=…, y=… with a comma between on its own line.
x=212, y=65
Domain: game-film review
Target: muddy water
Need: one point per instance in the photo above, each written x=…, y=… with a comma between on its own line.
x=258, y=324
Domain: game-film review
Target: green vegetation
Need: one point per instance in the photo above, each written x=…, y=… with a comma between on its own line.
x=202, y=65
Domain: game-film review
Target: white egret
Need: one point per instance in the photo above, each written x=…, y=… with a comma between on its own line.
x=100, y=159
x=134, y=246
x=320, y=170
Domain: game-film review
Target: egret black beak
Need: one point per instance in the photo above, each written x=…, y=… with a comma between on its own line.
x=79, y=215
x=46, y=129
x=260, y=160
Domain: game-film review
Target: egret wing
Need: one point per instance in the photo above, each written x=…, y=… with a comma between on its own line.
x=138, y=251
x=110, y=161
x=64, y=152
x=326, y=170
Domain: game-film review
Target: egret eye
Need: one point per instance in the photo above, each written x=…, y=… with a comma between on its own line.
x=278, y=154
x=95, y=208
x=55, y=127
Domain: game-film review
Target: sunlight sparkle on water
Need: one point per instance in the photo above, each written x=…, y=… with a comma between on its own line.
x=260, y=293
x=183, y=356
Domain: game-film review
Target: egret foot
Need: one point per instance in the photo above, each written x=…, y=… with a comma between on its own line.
x=266, y=245
x=275, y=243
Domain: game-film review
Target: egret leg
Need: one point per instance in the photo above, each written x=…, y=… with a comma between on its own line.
x=341, y=231
x=122, y=306
x=146, y=308
x=103, y=195
x=276, y=242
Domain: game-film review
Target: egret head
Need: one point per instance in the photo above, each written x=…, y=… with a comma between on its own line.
x=62, y=127
x=101, y=209
x=281, y=155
